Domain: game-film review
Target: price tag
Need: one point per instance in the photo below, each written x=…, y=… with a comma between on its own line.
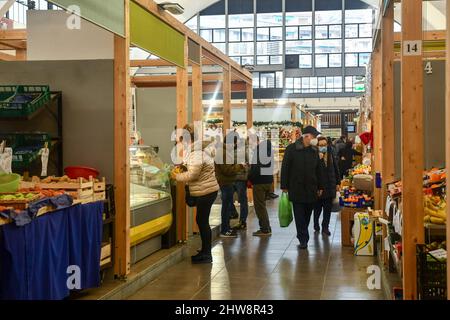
x=439, y=254
x=412, y=48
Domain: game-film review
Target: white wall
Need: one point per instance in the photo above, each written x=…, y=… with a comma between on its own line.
x=262, y=114
x=49, y=38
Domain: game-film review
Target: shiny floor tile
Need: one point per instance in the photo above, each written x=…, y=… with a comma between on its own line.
x=269, y=268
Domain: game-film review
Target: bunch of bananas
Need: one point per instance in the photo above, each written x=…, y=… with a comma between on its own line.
x=435, y=210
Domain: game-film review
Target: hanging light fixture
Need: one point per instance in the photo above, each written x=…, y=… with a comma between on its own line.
x=172, y=7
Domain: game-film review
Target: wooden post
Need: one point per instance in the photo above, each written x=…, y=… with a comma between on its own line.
x=182, y=106
x=122, y=104
x=377, y=119
x=388, y=115
x=197, y=111
x=447, y=130
x=21, y=54
x=226, y=100
x=412, y=153
x=249, y=87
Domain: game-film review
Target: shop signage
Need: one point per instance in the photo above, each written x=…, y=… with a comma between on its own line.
x=412, y=48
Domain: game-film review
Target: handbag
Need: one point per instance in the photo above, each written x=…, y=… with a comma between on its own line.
x=285, y=211
x=191, y=201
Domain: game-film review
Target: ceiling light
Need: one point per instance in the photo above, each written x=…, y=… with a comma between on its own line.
x=172, y=7
x=331, y=110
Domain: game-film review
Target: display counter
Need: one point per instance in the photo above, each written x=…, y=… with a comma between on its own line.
x=150, y=202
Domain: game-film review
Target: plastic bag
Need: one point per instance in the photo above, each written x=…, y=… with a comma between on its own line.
x=285, y=211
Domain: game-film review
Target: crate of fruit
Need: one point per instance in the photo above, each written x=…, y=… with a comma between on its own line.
x=18, y=200
x=431, y=274
x=22, y=101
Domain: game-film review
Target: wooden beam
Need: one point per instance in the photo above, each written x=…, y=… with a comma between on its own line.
x=197, y=93
x=427, y=35
x=7, y=57
x=21, y=55
x=447, y=134
x=377, y=120
x=387, y=113
x=426, y=55
x=13, y=34
x=412, y=153
x=211, y=77
x=161, y=63
x=122, y=104
x=182, y=118
x=226, y=100
x=249, y=88
x=14, y=44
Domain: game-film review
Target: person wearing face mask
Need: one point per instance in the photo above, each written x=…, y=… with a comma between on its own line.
x=302, y=178
x=331, y=178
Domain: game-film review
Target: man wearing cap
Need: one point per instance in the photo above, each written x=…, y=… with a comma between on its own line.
x=301, y=178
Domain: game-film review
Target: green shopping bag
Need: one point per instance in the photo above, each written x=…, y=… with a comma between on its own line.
x=285, y=211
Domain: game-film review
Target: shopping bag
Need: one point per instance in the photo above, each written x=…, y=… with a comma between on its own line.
x=285, y=211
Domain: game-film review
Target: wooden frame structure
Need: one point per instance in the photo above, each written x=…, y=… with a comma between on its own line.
x=13, y=40
x=392, y=47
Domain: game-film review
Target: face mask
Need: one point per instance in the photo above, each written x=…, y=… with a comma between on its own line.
x=323, y=149
x=314, y=142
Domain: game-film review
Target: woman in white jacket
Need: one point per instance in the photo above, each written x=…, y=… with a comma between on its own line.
x=201, y=179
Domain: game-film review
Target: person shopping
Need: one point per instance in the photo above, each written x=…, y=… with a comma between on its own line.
x=226, y=174
x=346, y=158
x=261, y=176
x=302, y=179
x=331, y=178
x=201, y=179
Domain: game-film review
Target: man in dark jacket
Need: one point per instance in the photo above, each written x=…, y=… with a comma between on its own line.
x=302, y=178
x=261, y=176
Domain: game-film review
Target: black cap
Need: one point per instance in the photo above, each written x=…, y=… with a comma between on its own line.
x=311, y=130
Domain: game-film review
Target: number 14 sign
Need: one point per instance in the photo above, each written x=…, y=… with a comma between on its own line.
x=412, y=48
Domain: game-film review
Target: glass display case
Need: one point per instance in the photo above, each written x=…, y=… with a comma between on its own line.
x=150, y=201
x=148, y=176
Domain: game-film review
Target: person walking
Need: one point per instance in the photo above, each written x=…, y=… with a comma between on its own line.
x=261, y=177
x=340, y=144
x=346, y=158
x=332, y=180
x=226, y=173
x=302, y=179
x=240, y=185
x=201, y=180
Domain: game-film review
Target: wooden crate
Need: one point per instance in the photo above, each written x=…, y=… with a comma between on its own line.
x=79, y=185
x=100, y=185
x=18, y=204
x=347, y=219
x=106, y=251
x=99, y=196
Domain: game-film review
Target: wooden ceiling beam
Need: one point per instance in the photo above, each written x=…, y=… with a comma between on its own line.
x=427, y=35
x=160, y=63
x=14, y=44
x=13, y=34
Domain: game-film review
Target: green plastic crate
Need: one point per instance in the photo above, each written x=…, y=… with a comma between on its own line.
x=11, y=109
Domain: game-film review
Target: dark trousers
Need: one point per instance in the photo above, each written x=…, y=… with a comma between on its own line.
x=325, y=205
x=302, y=214
x=260, y=192
x=226, y=193
x=204, y=204
x=240, y=187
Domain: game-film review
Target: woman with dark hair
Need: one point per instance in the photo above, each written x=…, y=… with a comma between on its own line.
x=332, y=180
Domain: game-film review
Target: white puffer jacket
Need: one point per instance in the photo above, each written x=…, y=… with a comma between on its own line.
x=200, y=175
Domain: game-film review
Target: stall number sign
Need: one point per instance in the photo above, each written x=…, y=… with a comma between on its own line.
x=412, y=48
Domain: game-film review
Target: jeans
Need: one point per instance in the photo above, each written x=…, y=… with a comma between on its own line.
x=204, y=204
x=326, y=205
x=259, y=198
x=240, y=187
x=302, y=214
x=227, y=201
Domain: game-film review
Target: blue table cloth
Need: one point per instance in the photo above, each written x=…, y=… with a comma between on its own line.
x=38, y=259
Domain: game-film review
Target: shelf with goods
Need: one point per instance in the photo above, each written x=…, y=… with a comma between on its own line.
x=434, y=226
x=28, y=126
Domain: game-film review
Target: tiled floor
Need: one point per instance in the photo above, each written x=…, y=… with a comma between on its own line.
x=269, y=268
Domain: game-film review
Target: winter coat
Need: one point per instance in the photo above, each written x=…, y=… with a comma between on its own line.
x=228, y=170
x=262, y=173
x=302, y=173
x=346, y=159
x=200, y=175
x=331, y=175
